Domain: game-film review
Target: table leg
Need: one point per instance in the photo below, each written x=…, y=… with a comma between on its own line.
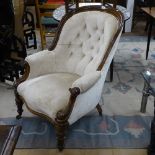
x=149, y=36
x=151, y=148
x=111, y=70
x=144, y=98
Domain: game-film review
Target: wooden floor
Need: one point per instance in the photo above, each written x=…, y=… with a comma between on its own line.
x=80, y=152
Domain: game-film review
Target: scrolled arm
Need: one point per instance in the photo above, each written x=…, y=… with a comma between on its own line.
x=41, y=63
x=87, y=81
x=24, y=66
x=79, y=86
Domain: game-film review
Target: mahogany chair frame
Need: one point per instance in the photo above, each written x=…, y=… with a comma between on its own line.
x=61, y=121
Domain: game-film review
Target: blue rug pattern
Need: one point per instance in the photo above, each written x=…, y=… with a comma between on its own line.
x=88, y=132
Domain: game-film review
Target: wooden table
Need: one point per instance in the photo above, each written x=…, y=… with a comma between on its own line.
x=8, y=138
x=59, y=12
x=151, y=12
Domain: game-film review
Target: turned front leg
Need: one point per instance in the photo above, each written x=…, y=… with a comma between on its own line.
x=99, y=109
x=61, y=126
x=19, y=104
x=60, y=135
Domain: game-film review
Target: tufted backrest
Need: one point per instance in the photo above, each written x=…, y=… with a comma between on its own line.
x=84, y=40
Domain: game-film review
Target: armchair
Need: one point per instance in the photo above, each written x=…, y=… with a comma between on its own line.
x=65, y=82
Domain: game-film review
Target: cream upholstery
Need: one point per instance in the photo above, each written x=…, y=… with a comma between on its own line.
x=49, y=93
x=79, y=59
x=87, y=40
x=82, y=50
x=73, y=63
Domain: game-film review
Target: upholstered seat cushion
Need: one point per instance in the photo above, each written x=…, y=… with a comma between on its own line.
x=49, y=93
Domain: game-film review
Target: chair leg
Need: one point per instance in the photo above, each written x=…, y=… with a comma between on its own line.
x=60, y=138
x=99, y=109
x=19, y=104
x=111, y=70
x=61, y=127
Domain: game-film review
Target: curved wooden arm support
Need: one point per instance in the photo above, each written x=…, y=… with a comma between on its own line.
x=23, y=64
x=61, y=120
x=64, y=114
x=18, y=100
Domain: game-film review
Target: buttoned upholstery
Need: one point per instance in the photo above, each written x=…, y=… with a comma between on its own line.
x=79, y=59
x=80, y=53
x=88, y=37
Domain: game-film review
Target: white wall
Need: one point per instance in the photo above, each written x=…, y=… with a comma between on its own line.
x=128, y=23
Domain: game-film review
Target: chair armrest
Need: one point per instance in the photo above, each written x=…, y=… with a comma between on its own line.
x=87, y=81
x=41, y=63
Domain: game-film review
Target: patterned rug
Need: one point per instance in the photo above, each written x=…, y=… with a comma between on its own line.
x=88, y=132
x=122, y=125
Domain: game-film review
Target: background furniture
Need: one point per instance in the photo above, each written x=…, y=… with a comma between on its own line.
x=59, y=12
x=8, y=138
x=71, y=74
x=29, y=25
x=45, y=18
x=12, y=47
x=149, y=90
x=69, y=3
x=139, y=13
x=151, y=13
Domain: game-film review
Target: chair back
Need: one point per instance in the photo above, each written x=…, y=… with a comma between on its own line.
x=85, y=37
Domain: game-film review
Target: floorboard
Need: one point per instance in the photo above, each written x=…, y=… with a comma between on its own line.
x=80, y=152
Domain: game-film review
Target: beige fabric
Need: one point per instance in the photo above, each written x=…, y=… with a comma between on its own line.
x=49, y=93
x=88, y=100
x=41, y=63
x=82, y=44
x=87, y=81
x=81, y=48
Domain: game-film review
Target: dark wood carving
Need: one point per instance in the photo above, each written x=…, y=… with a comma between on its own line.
x=61, y=121
x=99, y=109
x=19, y=102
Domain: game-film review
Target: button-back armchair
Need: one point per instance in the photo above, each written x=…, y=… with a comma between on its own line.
x=65, y=82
